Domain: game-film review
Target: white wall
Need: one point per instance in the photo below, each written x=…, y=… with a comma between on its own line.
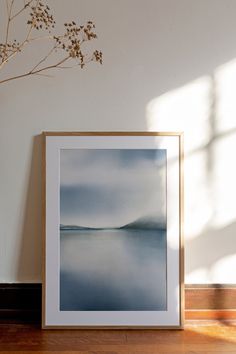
x=168, y=65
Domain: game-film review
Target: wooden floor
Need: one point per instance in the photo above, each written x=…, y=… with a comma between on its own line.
x=198, y=337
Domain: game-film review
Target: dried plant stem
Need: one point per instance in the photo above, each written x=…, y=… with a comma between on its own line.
x=20, y=11
x=13, y=54
x=45, y=75
x=44, y=58
x=74, y=66
x=26, y=40
x=36, y=72
x=7, y=7
x=41, y=18
x=9, y=10
x=32, y=39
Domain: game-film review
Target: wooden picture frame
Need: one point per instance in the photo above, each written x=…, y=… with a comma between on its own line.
x=113, y=230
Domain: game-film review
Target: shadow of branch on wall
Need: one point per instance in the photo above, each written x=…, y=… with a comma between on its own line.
x=29, y=262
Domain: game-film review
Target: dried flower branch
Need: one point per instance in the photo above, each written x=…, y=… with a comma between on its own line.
x=40, y=18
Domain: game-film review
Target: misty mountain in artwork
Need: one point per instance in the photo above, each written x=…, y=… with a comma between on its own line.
x=112, y=230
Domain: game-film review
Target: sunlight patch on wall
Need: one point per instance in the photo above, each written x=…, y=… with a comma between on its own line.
x=224, y=189
x=197, y=276
x=224, y=171
x=187, y=109
x=205, y=110
x=178, y=109
x=224, y=270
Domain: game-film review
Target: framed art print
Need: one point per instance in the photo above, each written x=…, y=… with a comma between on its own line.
x=113, y=242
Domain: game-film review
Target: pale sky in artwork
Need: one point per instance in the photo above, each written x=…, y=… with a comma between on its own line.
x=112, y=188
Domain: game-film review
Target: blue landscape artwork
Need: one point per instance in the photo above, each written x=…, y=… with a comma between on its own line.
x=113, y=242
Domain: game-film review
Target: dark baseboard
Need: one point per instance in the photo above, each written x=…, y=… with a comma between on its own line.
x=22, y=302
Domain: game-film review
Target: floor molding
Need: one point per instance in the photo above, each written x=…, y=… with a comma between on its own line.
x=22, y=302
x=210, y=301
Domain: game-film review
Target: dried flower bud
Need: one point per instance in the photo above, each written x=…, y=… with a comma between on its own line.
x=40, y=17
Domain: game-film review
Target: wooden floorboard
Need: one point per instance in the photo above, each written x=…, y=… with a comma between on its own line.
x=198, y=337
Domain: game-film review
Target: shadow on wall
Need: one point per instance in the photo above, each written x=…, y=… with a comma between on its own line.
x=205, y=110
x=31, y=235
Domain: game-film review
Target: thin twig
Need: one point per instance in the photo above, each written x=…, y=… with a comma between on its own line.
x=18, y=50
x=7, y=6
x=55, y=66
x=30, y=29
x=44, y=58
x=14, y=53
x=43, y=37
x=28, y=35
x=65, y=42
x=45, y=75
x=9, y=20
x=21, y=10
x=78, y=64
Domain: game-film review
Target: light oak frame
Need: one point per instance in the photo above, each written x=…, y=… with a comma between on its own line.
x=180, y=135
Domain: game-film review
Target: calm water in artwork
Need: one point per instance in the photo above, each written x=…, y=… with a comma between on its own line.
x=113, y=230
x=112, y=270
